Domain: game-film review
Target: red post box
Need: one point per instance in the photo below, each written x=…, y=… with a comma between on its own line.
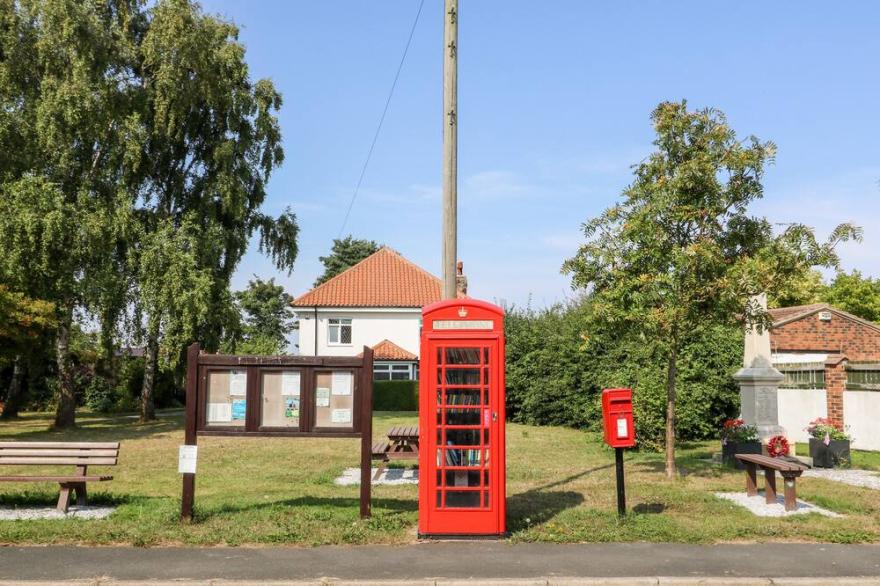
x=617, y=415
x=461, y=418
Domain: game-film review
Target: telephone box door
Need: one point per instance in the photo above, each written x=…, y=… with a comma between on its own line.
x=462, y=411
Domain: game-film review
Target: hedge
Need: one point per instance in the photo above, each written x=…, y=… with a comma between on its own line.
x=396, y=395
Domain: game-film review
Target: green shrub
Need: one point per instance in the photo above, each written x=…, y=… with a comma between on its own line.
x=99, y=395
x=396, y=395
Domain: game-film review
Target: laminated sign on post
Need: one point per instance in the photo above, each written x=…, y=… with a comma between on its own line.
x=186, y=459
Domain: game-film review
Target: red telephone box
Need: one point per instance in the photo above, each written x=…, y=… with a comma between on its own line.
x=461, y=416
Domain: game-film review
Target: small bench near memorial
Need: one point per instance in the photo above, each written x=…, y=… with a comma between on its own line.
x=79, y=454
x=789, y=471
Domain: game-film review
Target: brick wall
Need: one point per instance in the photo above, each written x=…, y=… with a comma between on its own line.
x=835, y=384
x=856, y=341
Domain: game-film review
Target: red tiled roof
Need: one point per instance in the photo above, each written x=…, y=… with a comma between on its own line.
x=388, y=350
x=383, y=279
x=784, y=315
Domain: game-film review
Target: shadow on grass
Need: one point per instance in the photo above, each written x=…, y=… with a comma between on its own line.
x=394, y=506
x=46, y=498
x=92, y=428
x=535, y=507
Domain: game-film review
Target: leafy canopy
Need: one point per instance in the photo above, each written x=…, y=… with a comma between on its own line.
x=266, y=319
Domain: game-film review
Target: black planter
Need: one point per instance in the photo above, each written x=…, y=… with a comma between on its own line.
x=730, y=449
x=834, y=454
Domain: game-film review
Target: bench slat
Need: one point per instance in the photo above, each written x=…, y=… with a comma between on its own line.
x=76, y=453
x=55, y=478
x=774, y=463
x=61, y=445
x=60, y=461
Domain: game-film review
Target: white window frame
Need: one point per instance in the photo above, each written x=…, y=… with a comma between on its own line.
x=337, y=323
x=390, y=368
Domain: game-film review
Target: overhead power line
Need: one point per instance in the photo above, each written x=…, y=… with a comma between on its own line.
x=382, y=118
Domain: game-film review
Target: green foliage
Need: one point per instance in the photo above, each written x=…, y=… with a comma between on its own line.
x=554, y=377
x=680, y=251
x=266, y=319
x=396, y=395
x=855, y=294
x=801, y=289
x=23, y=321
x=99, y=395
x=344, y=254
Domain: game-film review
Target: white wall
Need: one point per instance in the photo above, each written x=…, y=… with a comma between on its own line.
x=369, y=327
x=861, y=411
x=797, y=408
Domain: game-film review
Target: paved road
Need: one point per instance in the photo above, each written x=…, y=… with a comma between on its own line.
x=534, y=563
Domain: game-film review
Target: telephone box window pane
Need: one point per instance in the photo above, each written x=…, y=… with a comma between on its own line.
x=486, y=498
x=463, y=499
x=439, y=499
x=334, y=399
x=463, y=376
x=461, y=417
x=462, y=478
x=439, y=417
x=227, y=398
x=462, y=356
x=462, y=397
x=462, y=437
x=280, y=392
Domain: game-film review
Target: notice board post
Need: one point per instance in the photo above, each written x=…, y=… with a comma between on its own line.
x=277, y=396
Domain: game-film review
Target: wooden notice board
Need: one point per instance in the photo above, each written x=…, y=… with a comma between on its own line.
x=279, y=396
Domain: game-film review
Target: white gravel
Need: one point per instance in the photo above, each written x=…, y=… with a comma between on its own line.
x=759, y=507
x=29, y=513
x=863, y=478
x=352, y=476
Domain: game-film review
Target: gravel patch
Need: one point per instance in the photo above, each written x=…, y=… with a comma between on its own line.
x=74, y=512
x=759, y=507
x=352, y=476
x=863, y=478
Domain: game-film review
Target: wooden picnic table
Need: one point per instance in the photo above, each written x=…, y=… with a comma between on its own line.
x=402, y=444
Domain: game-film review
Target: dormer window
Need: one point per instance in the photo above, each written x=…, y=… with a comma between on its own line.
x=339, y=331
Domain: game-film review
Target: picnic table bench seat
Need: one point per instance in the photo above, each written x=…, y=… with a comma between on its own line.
x=78, y=454
x=402, y=444
x=788, y=469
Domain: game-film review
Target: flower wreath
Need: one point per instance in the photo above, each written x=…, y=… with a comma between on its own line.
x=777, y=446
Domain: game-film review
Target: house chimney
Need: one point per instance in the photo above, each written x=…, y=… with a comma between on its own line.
x=460, y=282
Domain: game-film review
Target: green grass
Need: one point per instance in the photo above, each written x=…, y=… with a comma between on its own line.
x=561, y=488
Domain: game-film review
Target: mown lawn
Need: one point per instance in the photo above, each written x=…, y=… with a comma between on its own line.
x=280, y=491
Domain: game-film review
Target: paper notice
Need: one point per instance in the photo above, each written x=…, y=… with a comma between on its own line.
x=219, y=412
x=291, y=407
x=239, y=409
x=322, y=397
x=237, y=383
x=186, y=459
x=341, y=384
x=622, y=428
x=290, y=384
x=340, y=416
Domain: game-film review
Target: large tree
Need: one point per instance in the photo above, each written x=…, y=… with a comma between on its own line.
x=857, y=294
x=66, y=86
x=266, y=319
x=680, y=251
x=210, y=140
x=344, y=254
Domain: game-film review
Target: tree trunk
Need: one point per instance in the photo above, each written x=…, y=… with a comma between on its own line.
x=151, y=357
x=671, y=375
x=14, y=396
x=65, y=414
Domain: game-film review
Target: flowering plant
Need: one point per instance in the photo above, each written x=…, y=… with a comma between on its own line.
x=736, y=430
x=822, y=428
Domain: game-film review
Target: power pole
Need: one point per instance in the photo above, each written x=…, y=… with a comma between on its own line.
x=450, y=148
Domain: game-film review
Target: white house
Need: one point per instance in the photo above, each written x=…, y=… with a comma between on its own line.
x=376, y=303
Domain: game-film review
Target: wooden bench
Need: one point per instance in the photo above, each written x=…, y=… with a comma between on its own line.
x=789, y=471
x=79, y=454
x=402, y=444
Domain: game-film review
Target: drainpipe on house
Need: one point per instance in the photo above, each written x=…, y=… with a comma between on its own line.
x=316, y=330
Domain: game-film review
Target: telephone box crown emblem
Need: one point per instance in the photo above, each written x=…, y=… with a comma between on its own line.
x=462, y=311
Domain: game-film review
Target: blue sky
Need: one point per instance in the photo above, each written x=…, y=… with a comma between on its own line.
x=555, y=100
